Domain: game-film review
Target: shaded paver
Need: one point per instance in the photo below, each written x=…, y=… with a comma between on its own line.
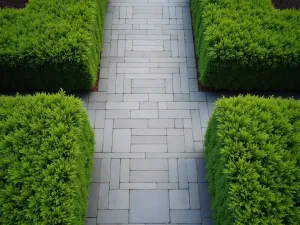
x=149, y=119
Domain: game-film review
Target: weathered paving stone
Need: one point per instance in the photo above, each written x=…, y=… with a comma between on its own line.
x=183, y=174
x=157, y=204
x=194, y=196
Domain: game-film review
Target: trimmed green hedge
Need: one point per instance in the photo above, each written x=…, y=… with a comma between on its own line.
x=51, y=44
x=46, y=157
x=246, y=44
x=252, y=150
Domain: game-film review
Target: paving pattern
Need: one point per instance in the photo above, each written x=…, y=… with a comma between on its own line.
x=149, y=119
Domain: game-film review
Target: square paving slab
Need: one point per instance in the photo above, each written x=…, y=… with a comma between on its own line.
x=149, y=206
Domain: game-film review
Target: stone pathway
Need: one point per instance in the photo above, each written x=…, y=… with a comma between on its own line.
x=149, y=119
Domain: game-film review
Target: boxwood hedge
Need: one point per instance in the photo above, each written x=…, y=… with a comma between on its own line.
x=246, y=44
x=46, y=150
x=253, y=160
x=51, y=44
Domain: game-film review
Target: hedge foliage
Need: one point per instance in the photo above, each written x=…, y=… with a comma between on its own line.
x=51, y=44
x=46, y=150
x=253, y=160
x=246, y=44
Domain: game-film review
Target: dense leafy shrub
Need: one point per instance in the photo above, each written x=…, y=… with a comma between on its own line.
x=252, y=152
x=51, y=44
x=246, y=44
x=46, y=150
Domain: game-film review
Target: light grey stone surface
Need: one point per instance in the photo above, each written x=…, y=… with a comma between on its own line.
x=155, y=211
x=149, y=119
x=179, y=199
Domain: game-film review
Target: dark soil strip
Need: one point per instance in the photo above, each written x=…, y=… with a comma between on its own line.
x=96, y=86
x=17, y=4
x=286, y=4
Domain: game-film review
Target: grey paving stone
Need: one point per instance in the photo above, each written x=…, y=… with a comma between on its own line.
x=204, y=114
x=182, y=105
x=127, y=85
x=174, y=132
x=122, y=105
x=130, y=123
x=185, y=216
x=136, y=59
x=103, y=85
x=201, y=171
x=176, y=144
x=121, y=47
x=148, y=105
x=149, y=132
x=158, y=21
x=121, y=156
x=105, y=170
x=167, y=45
x=162, y=105
x=161, y=123
x=174, y=48
x=148, y=83
x=103, y=196
x=144, y=114
x=112, y=78
x=187, y=123
x=211, y=106
x=148, y=176
x=108, y=135
x=197, y=132
x=118, y=199
x=167, y=186
x=164, y=70
x=115, y=97
x=112, y=216
x=184, y=78
x=191, y=62
x=178, y=123
x=128, y=46
x=179, y=199
x=117, y=114
x=198, y=96
x=194, y=196
x=121, y=140
x=170, y=155
x=181, y=97
x=99, y=121
x=97, y=97
x=136, y=21
x=166, y=13
x=172, y=114
x=120, y=83
x=136, y=97
x=149, y=148
x=198, y=145
x=183, y=174
x=173, y=170
x=114, y=48
x=188, y=140
x=99, y=139
x=148, y=164
x=115, y=174
x=137, y=64
x=124, y=173
x=157, y=204
x=205, y=201
x=129, y=11
x=96, y=105
x=148, y=139
x=136, y=186
x=193, y=84
x=148, y=90
x=192, y=171
x=90, y=221
x=192, y=73
x=96, y=171
x=93, y=200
